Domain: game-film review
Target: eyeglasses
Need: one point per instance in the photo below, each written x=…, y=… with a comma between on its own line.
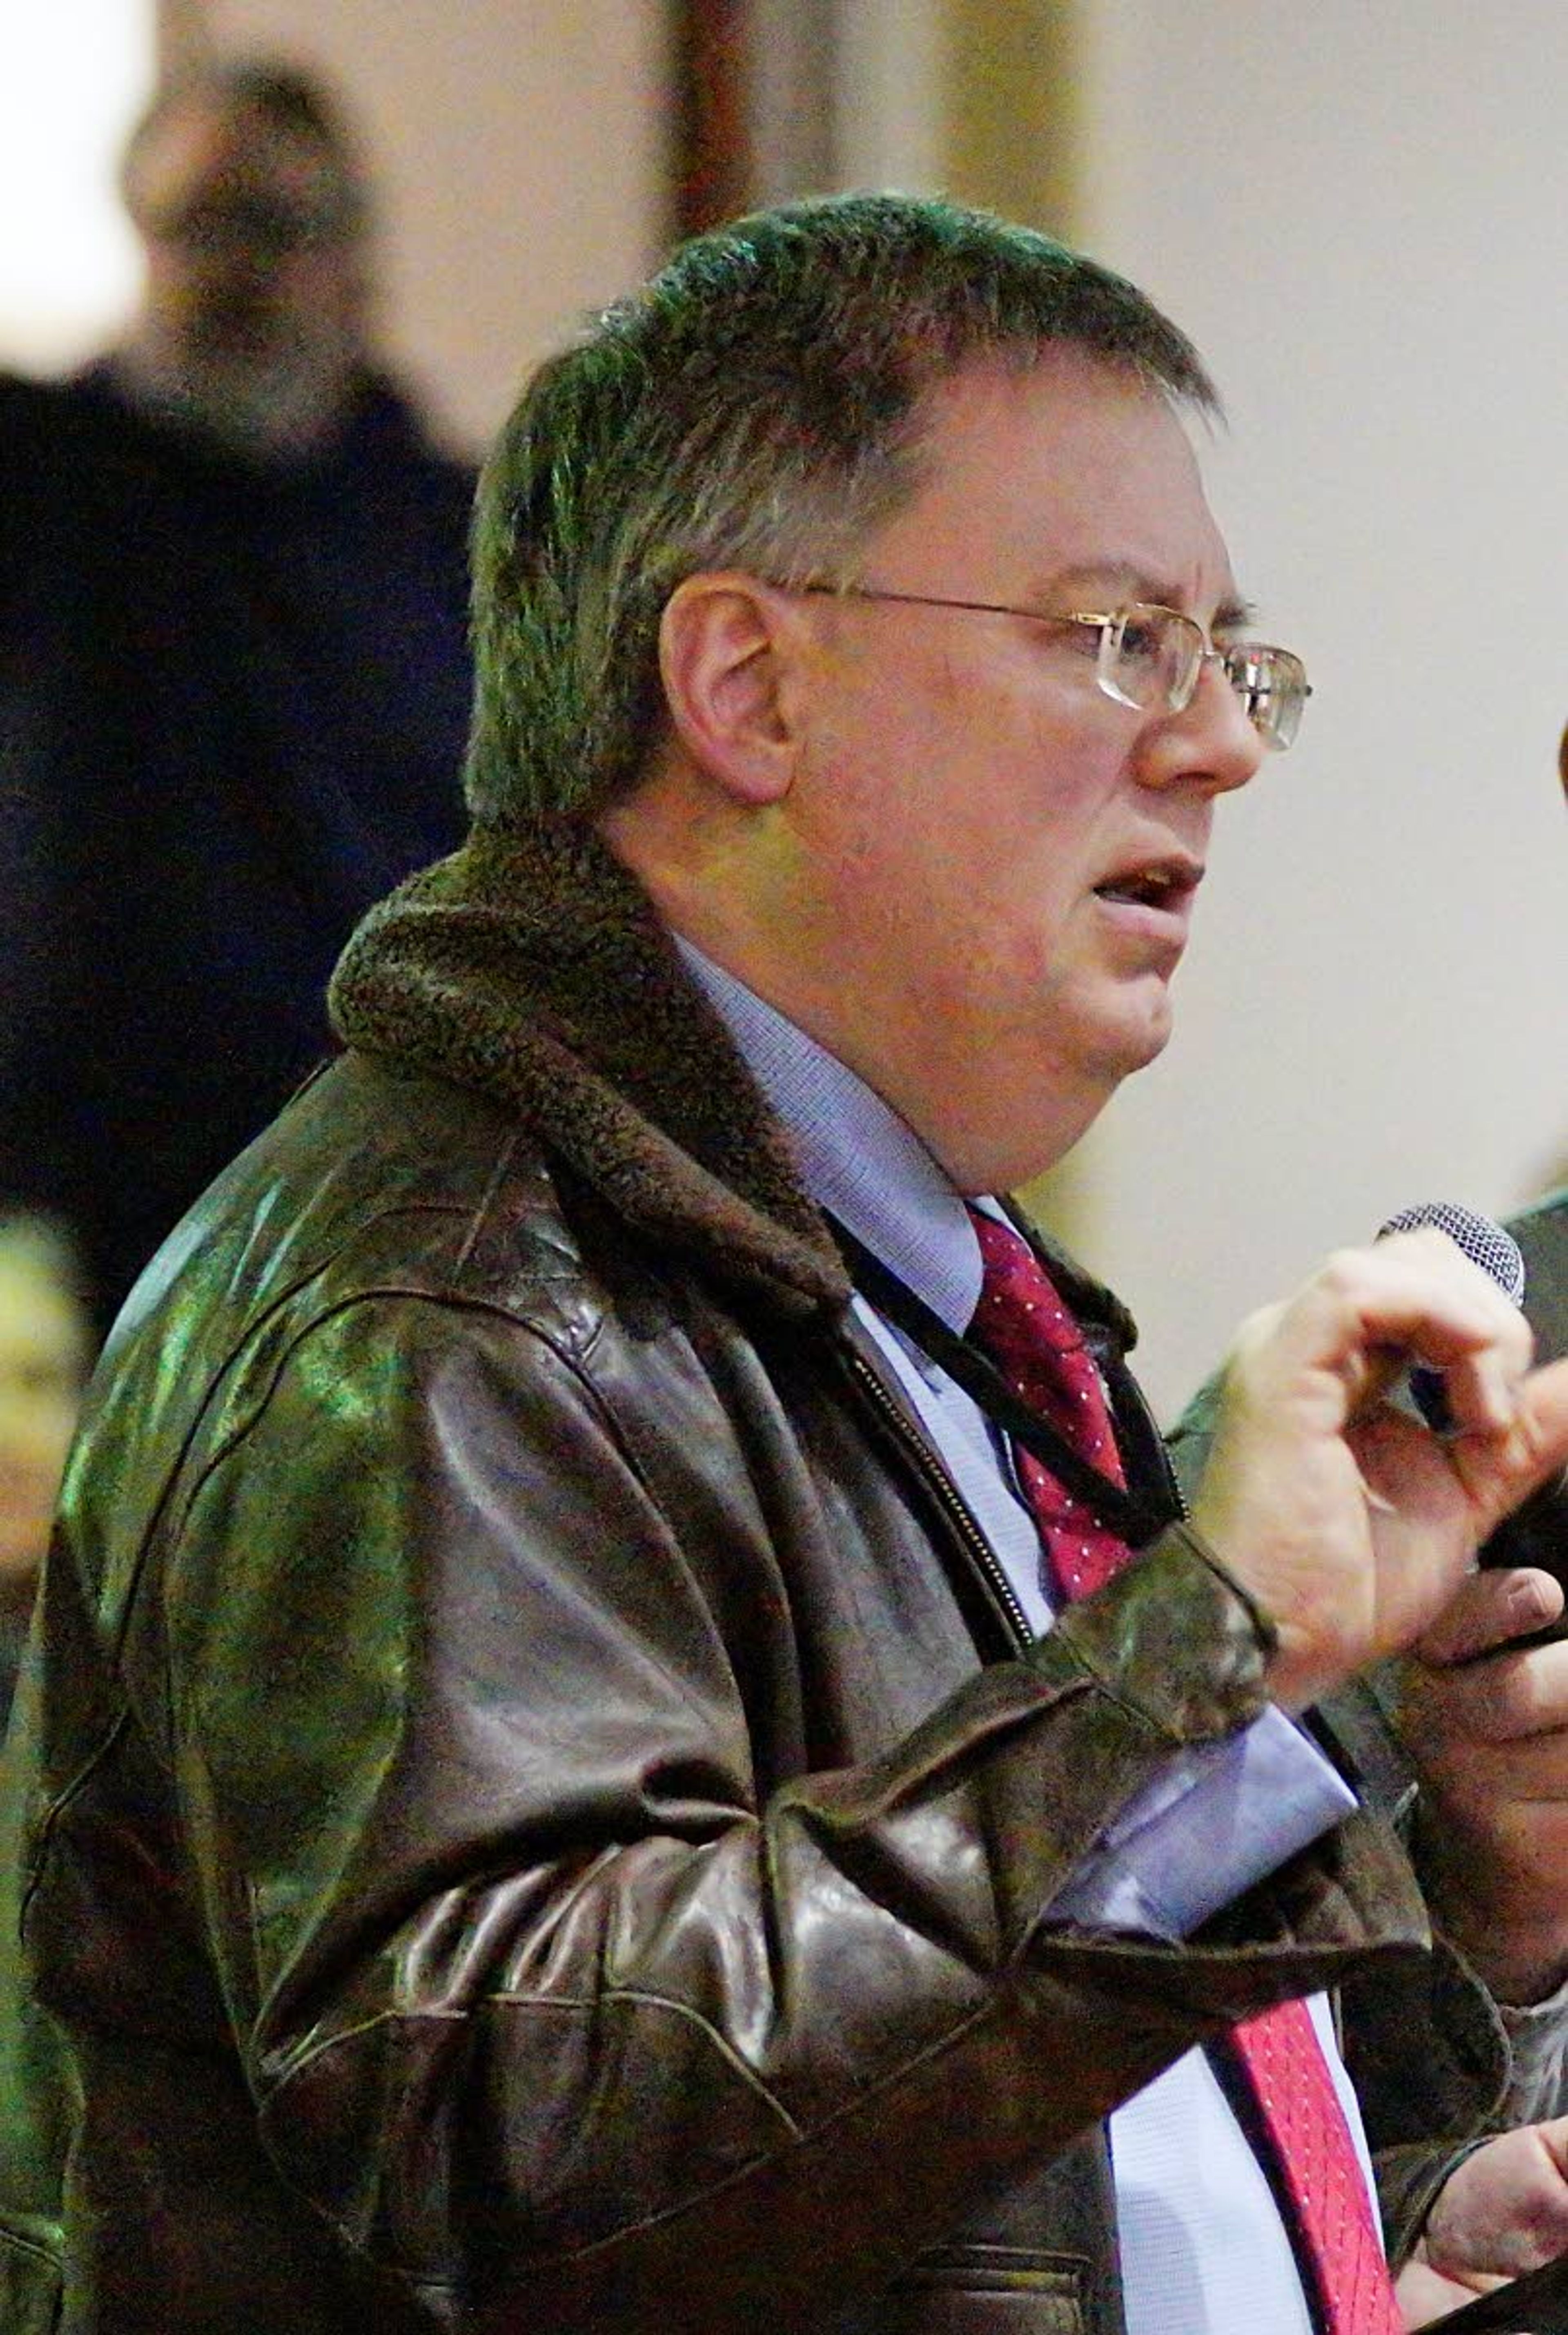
x=1150, y=657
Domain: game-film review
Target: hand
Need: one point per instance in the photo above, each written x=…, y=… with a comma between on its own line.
x=1489, y=1738
x=1504, y=2211
x=1351, y=1523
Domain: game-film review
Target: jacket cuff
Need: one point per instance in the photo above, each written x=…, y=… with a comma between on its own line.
x=1175, y=1636
x=1409, y=2180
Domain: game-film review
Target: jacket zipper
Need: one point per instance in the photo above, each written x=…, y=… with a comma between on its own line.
x=930, y=1467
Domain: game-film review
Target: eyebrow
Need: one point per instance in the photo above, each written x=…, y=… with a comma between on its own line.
x=1233, y=615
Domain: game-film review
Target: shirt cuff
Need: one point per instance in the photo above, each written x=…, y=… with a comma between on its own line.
x=1221, y=1816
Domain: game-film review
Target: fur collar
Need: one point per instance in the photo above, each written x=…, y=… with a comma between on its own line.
x=534, y=970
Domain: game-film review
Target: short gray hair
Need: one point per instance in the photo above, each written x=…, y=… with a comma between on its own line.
x=756, y=406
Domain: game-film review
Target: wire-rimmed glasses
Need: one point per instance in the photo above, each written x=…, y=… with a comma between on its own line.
x=1150, y=657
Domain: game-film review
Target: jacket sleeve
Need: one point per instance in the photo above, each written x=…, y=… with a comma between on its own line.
x=543, y=1995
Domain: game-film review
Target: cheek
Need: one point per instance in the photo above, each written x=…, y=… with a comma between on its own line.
x=956, y=828
x=963, y=901
x=985, y=938
x=1020, y=942
x=1052, y=836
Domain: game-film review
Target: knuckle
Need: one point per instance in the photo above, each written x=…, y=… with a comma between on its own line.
x=1256, y=1332
x=1341, y=1281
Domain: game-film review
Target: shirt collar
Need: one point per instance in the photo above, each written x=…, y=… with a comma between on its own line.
x=857, y=1158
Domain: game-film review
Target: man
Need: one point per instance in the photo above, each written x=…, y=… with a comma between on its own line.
x=234, y=678
x=554, y=1792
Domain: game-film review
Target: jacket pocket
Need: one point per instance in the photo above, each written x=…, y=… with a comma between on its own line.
x=982, y=2290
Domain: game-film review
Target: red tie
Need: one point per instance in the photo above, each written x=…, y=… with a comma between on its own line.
x=1022, y=1324
x=1034, y=1342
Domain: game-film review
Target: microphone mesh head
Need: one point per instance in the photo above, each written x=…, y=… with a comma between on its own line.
x=1485, y=1244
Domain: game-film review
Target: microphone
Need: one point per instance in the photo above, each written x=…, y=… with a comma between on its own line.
x=1485, y=1244
x=1536, y=1534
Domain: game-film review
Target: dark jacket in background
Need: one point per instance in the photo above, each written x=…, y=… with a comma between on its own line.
x=1542, y=1233
x=233, y=704
x=536, y=1814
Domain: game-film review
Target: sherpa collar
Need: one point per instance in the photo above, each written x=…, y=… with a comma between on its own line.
x=534, y=970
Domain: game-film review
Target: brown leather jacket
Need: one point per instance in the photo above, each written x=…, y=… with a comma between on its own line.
x=536, y=1813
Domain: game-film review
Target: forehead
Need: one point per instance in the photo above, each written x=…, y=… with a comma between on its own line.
x=1067, y=467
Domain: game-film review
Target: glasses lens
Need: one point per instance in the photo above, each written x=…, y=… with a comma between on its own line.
x=1271, y=685
x=1151, y=657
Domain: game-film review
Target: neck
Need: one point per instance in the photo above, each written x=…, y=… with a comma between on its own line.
x=733, y=879
x=284, y=412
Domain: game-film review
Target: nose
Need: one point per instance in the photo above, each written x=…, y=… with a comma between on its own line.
x=1211, y=744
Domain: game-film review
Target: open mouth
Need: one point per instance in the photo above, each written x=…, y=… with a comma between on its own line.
x=1151, y=887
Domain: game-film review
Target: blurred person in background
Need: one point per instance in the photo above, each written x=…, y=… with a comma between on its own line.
x=43, y=1353
x=253, y=212
x=234, y=675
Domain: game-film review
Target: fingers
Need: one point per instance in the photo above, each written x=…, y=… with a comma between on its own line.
x=1510, y=1698
x=1487, y=1732
x=1413, y=1297
x=1425, y=2296
x=1350, y=1523
x=1489, y=1610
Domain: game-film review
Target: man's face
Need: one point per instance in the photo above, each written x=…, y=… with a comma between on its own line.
x=988, y=867
x=253, y=289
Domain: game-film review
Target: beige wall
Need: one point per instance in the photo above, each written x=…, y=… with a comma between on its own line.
x=1013, y=111
x=1362, y=215
x=517, y=149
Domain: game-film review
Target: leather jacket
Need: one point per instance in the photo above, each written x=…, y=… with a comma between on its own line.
x=535, y=1811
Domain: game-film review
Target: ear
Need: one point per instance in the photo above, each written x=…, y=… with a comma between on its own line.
x=724, y=657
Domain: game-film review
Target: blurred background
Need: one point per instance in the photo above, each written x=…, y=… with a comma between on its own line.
x=1359, y=216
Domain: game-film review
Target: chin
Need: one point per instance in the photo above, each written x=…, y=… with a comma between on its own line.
x=1130, y=1042
x=1149, y=1048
